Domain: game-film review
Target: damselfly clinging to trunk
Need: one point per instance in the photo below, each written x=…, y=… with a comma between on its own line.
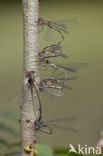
x=31, y=84
x=52, y=85
x=64, y=68
x=51, y=51
x=46, y=126
x=59, y=26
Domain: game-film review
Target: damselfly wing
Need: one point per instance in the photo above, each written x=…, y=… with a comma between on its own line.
x=53, y=91
x=63, y=127
x=65, y=23
x=48, y=35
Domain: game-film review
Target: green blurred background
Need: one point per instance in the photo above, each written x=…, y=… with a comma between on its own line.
x=83, y=44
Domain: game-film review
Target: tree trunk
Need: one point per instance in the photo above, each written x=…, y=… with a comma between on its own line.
x=30, y=63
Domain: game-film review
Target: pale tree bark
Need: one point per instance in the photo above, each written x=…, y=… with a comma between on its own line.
x=30, y=63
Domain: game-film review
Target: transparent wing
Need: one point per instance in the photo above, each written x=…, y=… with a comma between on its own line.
x=78, y=65
x=58, y=24
x=67, y=22
x=65, y=67
x=53, y=91
x=16, y=97
x=66, y=119
x=63, y=24
x=56, y=27
x=63, y=128
x=73, y=67
x=48, y=34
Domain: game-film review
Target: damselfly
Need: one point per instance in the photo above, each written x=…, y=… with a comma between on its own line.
x=59, y=26
x=53, y=50
x=31, y=84
x=46, y=127
x=65, y=68
x=56, y=67
x=52, y=85
x=49, y=81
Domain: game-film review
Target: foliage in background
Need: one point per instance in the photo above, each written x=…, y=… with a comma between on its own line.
x=7, y=147
x=12, y=149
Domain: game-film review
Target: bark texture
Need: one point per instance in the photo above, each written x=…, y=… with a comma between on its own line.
x=30, y=63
